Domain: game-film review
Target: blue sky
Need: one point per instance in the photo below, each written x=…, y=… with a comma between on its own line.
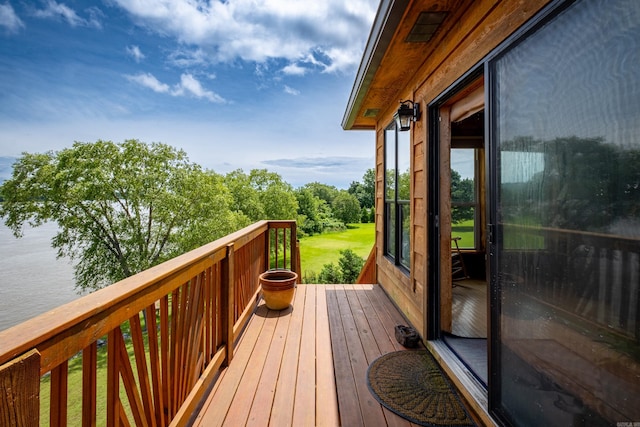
x=236, y=84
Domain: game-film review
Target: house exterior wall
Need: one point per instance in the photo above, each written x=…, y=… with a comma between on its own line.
x=480, y=27
x=555, y=140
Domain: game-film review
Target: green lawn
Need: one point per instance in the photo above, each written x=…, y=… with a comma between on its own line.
x=465, y=231
x=321, y=249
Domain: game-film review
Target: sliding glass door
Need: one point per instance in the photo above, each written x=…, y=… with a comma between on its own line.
x=565, y=234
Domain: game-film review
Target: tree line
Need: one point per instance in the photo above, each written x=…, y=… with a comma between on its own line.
x=122, y=208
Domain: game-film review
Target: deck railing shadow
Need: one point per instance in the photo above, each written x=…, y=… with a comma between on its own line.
x=166, y=331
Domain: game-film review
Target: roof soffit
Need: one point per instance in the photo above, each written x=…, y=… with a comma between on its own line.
x=387, y=68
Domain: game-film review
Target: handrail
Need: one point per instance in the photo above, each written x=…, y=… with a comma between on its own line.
x=182, y=318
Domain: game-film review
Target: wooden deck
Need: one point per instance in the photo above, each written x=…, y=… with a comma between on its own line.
x=307, y=365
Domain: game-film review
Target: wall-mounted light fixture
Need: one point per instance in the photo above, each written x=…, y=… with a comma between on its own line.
x=408, y=112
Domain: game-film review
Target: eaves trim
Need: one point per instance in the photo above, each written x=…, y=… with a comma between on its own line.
x=387, y=19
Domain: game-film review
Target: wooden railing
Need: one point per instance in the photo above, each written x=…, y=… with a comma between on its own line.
x=368, y=273
x=165, y=333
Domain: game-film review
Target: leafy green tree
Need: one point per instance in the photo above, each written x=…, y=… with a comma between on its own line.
x=365, y=192
x=120, y=208
x=261, y=195
x=246, y=198
x=277, y=196
x=462, y=191
x=323, y=191
x=309, y=214
x=346, y=208
x=350, y=265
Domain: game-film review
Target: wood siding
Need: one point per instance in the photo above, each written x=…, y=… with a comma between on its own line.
x=472, y=30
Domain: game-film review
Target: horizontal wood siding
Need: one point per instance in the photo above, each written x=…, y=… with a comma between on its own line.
x=475, y=28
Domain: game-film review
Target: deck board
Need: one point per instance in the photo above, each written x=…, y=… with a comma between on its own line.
x=263, y=398
x=307, y=365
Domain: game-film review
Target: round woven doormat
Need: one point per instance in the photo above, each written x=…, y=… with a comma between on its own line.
x=411, y=384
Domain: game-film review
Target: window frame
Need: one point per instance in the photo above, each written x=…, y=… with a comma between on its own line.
x=476, y=204
x=394, y=207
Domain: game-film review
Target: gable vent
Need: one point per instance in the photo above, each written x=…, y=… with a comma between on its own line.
x=425, y=26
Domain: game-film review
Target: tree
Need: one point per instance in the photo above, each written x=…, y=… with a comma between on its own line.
x=276, y=195
x=350, y=265
x=308, y=211
x=120, y=208
x=261, y=195
x=246, y=199
x=323, y=191
x=365, y=192
x=462, y=191
x=346, y=208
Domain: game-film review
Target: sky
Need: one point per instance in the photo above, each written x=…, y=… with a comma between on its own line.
x=237, y=84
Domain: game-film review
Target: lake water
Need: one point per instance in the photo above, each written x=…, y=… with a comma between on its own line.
x=32, y=280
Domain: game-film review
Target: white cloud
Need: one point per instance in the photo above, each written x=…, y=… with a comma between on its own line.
x=9, y=20
x=135, y=52
x=291, y=91
x=148, y=80
x=188, y=86
x=54, y=10
x=294, y=70
x=186, y=58
x=333, y=30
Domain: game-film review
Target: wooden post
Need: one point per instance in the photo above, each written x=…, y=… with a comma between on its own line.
x=20, y=391
x=228, y=302
x=59, y=394
x=445, y=221
x=89, y=384
x=295, y=259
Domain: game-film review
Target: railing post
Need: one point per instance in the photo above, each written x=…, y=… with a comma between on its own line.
x=20, y=391
x=267, y=248
x=228, y=302
x=295, y=258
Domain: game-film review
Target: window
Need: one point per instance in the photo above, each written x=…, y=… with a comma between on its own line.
x=464, y=200
x=397, y=218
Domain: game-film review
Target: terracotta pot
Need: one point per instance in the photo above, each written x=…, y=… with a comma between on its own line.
x=278, y=287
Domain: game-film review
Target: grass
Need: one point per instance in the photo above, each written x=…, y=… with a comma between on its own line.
x=465, y=231
x=321, y=249
x=512, y=240
x=74, y=402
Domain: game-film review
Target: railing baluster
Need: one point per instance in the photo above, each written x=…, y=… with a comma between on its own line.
x=89, y=384
x=164, y=351
x=154, y=357
x=113, y=380
x=129, y=382
x=228, y=302
x=143, y=372
x=59, y=393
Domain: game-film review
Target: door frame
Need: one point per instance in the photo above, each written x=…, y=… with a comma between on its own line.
x=439, y=221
